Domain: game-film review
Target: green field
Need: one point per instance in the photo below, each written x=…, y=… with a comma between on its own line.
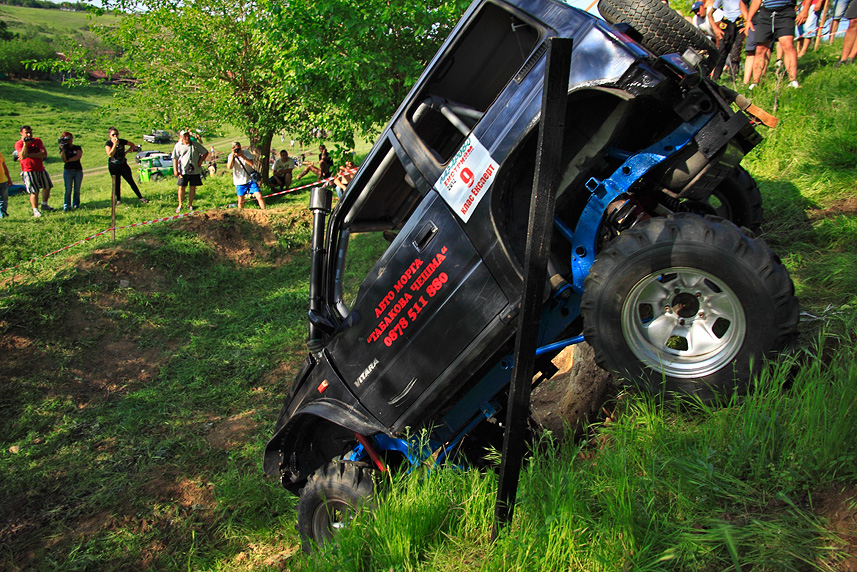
x=48, y=23
x=141, y=378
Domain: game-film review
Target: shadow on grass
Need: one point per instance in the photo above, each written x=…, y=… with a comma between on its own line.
x=139, y=389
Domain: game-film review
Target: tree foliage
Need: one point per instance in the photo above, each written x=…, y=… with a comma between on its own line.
x=197, y=64
x=269, y=66
x=354, y=62
x=5, y=34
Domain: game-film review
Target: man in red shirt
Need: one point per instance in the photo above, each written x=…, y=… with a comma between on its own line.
x=32, y=152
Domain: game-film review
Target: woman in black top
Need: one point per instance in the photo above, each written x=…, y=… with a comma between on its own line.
x=72, y=174
x=118, y=164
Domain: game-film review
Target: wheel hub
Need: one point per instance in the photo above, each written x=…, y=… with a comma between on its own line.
x=685, y=305
x=684, y=322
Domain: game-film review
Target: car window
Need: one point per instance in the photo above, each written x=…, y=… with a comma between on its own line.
x=470, y=77
x=379, y=204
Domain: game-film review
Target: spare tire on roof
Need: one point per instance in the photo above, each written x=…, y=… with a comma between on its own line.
x=664, y=31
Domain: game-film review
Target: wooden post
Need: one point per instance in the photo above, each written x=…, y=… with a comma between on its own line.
x=116, y=183
x=542, y=205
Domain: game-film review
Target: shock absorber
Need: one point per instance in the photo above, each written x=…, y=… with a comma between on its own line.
x=623, y=213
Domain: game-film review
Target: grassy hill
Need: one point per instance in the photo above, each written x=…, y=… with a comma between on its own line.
x=141, y=379
x=50, y=24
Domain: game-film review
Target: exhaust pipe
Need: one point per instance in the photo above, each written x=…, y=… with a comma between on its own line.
x=320, y=201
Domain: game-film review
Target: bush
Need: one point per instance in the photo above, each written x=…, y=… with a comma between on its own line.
x=14, y=54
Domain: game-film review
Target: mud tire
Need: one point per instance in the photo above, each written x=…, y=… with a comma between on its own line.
x=664, y=31
x=688, y=281
x=737, y=198
x=331, y=498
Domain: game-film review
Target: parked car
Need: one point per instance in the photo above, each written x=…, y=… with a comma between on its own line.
x=653, y=261
x=155, y=167
x=158, y=136
x=142, y=154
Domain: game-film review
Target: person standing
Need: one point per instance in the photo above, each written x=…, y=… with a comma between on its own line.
x=188, y=157
x=838, y=10
x=729, y=33
x=72, y=174
x=117, y=164
x=849, y=46
x=807, y=31
x=241, y=163
x=5, y=179
x=32, y=152
x=775, y=20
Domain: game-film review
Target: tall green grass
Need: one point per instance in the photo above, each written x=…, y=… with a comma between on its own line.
x=680, y=487
x=805, y=168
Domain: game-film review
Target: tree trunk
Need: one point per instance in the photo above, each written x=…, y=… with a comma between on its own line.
x=260, y=146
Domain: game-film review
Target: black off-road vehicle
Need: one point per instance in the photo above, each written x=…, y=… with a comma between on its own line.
x=652, y=258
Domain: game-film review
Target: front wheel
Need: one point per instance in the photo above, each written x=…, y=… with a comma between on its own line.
x=332, y=497
x=689, y=305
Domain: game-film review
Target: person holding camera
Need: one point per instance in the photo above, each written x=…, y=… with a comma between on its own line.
x=5, y=179
x=244, y=176
x=188, y=157
x=117, y=164
x=32, y=152
x=72, y=174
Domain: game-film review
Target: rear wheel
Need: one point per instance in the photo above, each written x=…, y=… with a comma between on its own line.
x=332, y=497
x=689, y=305
x=737, y=198
x=663, y=30
x=156, y=177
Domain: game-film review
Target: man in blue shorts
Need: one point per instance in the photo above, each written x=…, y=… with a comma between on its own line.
x=775, y=20
x=241, y=163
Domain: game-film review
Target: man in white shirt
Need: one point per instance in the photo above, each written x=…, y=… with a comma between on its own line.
x=700, y=19
x=241, y=163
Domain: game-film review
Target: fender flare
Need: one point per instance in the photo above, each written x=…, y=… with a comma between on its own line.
x=291, y=455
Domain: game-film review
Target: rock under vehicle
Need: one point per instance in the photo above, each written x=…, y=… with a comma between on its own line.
x=652, y=260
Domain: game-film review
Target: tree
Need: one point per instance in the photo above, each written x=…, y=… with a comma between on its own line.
x=196, y=64
x=268, y=65
x=354, y=62
x=5, y=34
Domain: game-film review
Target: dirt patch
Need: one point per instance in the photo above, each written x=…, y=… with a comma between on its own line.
x=231, y=432
x=837, y=505
x=170, y=486
x=241, y=236
x=123, y=268
x=847, y=206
